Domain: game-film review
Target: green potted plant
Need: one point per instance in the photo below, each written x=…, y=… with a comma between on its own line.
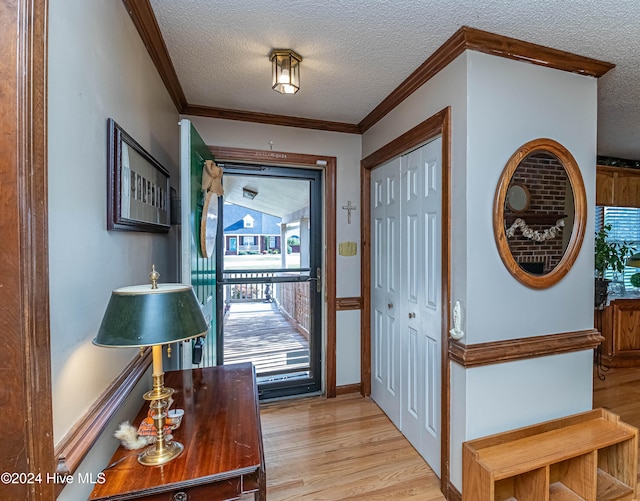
x=608, y=255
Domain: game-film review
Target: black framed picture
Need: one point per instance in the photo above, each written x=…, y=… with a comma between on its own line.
x=138, y=189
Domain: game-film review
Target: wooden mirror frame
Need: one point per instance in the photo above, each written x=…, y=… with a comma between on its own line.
x=542, y=145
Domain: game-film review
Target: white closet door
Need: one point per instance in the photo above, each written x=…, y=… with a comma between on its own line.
x=420, y=269
x=411, y=273
x=385, y=300
x=406, y=277
x=430, y=306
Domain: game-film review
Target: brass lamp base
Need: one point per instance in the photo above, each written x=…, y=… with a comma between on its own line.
x=152, y=456
x=160, y=393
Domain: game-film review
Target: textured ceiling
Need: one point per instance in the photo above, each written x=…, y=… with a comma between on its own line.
x=356, y=52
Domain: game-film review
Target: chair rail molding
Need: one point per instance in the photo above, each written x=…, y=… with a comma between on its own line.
x=509, y=350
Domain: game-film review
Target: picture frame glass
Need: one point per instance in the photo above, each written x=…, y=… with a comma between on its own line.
x=139, y=186
x=144, y=195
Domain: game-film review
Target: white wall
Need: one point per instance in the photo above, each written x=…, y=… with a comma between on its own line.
x=347, y=150
x=495, y=398
x=98, y=68
x=511, y=103
x=498, y=105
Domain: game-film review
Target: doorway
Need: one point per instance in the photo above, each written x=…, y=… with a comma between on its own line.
x=270, y=276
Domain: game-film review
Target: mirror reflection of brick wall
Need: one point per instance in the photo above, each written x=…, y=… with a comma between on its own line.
x=548, y=185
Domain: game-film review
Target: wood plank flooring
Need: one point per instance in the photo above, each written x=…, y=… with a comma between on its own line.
x=347, y=449
x=620, y=392
x=340, y=449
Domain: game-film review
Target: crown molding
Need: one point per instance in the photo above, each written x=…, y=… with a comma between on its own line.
x=465, y=38
x=267, y=118
x=512, y=48
x=145, y=22
x=483, y=41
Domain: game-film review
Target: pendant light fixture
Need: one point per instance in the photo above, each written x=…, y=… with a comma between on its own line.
x=285, y=65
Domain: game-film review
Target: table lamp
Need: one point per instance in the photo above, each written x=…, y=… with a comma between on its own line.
x=153, y=315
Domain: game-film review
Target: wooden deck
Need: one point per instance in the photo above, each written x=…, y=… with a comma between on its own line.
x=257, y=332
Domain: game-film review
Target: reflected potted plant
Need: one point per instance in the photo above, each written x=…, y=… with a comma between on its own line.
x=608, y=255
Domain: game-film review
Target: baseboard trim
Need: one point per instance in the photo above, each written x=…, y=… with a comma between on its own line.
x=348, y=388
x=452, y=493
x=495, y=352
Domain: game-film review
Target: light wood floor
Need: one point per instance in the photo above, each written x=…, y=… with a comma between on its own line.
x=620, y=392
x=340, y=449
x=347, y=449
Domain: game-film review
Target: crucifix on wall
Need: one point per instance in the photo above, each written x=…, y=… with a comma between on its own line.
x=349, y=208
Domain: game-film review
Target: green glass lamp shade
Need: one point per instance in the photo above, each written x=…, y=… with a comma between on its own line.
x=142, y=316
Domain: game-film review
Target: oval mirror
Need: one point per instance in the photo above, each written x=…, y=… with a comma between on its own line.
x=540, y=213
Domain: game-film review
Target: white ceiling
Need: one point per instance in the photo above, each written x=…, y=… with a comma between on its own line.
x=284, y=198
x=356, y=52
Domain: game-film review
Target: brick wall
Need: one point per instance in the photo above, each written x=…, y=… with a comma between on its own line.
x=547, y=182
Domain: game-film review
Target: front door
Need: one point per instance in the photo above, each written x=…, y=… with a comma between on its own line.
x=270, y=276
x=197, y=268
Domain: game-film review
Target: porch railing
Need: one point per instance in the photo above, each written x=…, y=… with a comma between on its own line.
x=292, y=297
x=251, y=290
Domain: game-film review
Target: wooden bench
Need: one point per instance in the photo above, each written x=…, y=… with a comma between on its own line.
x=589, y=456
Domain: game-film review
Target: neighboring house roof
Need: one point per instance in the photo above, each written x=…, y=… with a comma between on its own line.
x=234, y=221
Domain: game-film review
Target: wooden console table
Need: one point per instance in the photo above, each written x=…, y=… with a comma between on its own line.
x=223, y=456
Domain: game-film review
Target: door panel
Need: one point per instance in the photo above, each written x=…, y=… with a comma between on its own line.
x=385, y=215
x=393, y=383
x=431, y=266
x=432, y=375
x=412, y=291
x=195, y=269
x=431, y=305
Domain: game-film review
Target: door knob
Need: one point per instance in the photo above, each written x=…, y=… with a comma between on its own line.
x=389, y=305
x=412, y=315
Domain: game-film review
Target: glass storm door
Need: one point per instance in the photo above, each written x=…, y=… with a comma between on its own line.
x=270, y=276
